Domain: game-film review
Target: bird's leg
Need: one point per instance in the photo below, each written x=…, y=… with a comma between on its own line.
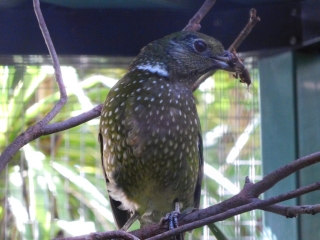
x=131, y=220
x=172, y=217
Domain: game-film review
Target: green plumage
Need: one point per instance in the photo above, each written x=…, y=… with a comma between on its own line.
x=150, y=131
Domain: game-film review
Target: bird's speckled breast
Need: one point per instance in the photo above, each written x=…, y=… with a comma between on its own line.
x=150, y=143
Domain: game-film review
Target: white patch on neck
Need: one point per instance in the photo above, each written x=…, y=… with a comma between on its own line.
x=154, y=69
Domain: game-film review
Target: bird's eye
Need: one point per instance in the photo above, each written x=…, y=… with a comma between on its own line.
x=200, y=46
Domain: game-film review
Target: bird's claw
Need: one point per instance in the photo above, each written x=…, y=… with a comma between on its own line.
x=172, y=219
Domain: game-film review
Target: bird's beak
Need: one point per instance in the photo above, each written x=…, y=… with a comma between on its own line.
x=226, y=61
x=231, y=63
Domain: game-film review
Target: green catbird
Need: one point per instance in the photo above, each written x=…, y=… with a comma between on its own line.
x=150, y=131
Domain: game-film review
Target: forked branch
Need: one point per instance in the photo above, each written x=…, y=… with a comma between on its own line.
x=246, y=200
x=36, y=130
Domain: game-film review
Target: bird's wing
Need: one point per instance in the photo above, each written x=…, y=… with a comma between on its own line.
x=197, y=192
x=120, y=216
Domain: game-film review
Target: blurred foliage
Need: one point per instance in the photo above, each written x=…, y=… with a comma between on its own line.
x=54, y=186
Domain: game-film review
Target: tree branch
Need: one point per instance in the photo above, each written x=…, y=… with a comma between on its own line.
x=292, y=211
x=35, y=131
x=271, y=179
x=253, y=20
x=102, y=236
x=238, y=204
x=72, y=122
x=194, y=22
x=244, y=201
x=56, y=65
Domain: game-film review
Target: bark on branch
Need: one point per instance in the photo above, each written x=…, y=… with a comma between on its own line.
x=106, y=235
x=194, y=22
x=246, y=200
x=36, y=130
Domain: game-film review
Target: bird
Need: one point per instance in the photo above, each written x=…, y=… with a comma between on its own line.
x=150, y=133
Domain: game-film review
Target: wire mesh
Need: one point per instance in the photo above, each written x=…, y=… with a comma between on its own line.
x=54, y=186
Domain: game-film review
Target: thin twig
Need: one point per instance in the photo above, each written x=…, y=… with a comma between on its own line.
x=73, y=122
x=253, y=20
x=56, y=65
x=35, y=131
x=103, y=236
x=204, y=77
x=292, y=211
x=194, y=23
x=271, y=179
x=38, y=130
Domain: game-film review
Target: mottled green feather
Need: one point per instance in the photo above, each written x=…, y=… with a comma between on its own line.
x=150, y=131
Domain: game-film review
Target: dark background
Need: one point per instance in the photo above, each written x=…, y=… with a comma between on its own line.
x=122, y=28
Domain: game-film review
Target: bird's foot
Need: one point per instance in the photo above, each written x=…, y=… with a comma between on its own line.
x=172, y=219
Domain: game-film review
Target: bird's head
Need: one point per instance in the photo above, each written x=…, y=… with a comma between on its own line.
x=183, y=56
